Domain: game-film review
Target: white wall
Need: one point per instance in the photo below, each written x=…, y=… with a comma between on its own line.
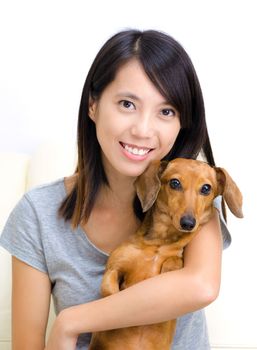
x=46, y=50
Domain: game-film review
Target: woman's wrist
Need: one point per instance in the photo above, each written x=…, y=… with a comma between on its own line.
x=62, y=335
x=66, y=323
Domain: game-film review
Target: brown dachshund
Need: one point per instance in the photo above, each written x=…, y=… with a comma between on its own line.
x=178, y=197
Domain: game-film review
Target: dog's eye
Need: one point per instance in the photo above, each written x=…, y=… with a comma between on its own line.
x=206, y=189
x=175, y=184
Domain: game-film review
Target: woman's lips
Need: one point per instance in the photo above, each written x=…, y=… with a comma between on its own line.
x=135, y=152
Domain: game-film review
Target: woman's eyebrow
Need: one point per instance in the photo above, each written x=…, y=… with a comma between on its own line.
x=128, y=95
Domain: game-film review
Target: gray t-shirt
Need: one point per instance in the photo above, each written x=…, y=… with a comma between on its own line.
x=36, y=235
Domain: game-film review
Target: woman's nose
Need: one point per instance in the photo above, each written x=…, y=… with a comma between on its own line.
x=143, y=127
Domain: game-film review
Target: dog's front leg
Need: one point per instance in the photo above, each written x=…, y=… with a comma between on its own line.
x=171, y=264
x=114, y=276
x=110, y=282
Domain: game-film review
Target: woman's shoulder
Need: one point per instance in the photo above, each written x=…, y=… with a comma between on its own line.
x=46, y=199
x=31, y=221
x=50, y=192
x=39, y=203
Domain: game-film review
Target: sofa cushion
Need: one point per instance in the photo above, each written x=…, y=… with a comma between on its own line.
x=12, y=186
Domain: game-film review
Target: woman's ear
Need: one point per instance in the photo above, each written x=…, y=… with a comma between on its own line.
x=92, y=108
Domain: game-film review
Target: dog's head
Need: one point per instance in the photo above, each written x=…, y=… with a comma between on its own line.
x=185, y=189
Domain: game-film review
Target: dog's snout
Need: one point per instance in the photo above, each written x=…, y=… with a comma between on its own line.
x=187, y=222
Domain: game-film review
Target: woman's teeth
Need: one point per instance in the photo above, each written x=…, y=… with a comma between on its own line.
x=136, y=151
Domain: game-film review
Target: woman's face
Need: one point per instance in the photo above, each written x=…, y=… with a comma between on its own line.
x=134, y=123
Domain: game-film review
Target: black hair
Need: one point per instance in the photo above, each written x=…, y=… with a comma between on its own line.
x=169, y=67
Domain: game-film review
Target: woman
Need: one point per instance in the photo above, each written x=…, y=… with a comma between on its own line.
x=141, y=101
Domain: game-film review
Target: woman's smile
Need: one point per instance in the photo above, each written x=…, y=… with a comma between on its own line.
x=135, y=152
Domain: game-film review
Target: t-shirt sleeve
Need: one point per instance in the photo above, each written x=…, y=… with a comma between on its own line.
x=225, y=232
x=21, y=235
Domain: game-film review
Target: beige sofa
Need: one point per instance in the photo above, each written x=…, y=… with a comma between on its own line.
x=20, y=172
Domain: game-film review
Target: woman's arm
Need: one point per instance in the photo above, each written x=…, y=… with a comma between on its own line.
x=163, y=297
x=31, y=290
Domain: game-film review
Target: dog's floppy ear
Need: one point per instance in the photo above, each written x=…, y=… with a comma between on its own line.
x=230, y=192
x=148, y=184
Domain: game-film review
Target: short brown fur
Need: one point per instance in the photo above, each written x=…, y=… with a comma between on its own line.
x=158, y=245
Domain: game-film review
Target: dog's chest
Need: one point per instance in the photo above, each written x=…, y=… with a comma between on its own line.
x=150, y=259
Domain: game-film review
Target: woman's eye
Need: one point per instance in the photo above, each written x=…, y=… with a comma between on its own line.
x=127, y=104
x=168, y=112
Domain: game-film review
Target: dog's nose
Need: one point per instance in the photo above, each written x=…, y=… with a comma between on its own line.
x=187, y=222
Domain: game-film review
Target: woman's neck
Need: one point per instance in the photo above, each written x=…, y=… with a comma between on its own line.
x=118, y=194
x=120, y=191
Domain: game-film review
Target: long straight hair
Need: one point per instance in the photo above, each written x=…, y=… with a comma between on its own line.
x=170, y=69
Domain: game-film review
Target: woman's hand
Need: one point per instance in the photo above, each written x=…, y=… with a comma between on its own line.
x=60, y=337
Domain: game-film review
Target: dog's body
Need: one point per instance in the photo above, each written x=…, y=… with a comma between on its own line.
x=179, y=199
